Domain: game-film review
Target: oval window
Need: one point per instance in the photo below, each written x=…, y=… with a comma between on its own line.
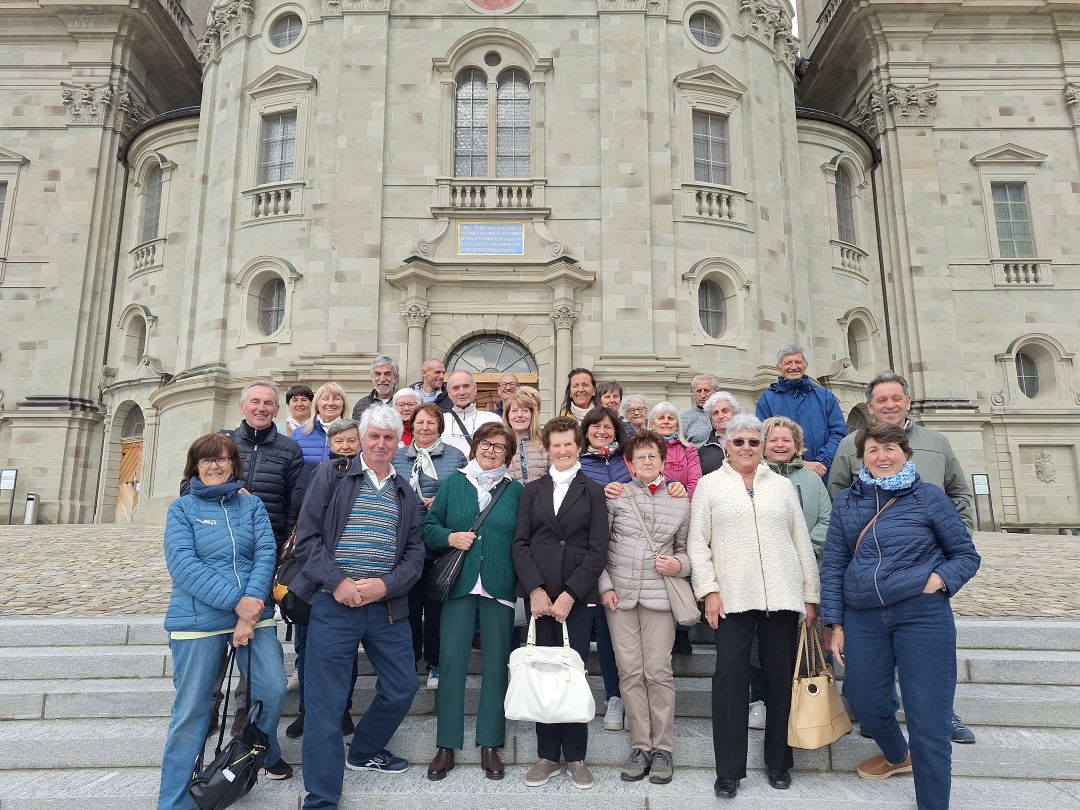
x=285, y=30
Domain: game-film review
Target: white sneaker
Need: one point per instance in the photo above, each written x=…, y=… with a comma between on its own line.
x=757, y=715
x=294, y=682
x=433, y=678
x=614, y=717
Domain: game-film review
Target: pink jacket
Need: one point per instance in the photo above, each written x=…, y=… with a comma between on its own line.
x=683, y=465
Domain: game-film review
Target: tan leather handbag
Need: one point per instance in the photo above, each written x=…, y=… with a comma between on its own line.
x=818, y=717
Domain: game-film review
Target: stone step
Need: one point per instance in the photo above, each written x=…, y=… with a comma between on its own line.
x=107, y=743
x=136, y=788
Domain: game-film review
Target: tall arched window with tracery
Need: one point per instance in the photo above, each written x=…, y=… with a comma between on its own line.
x=471, y=125
x=845, y=209
x=513, y=122
x=151, y=213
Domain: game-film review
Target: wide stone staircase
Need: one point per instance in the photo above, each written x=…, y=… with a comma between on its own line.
x=84, y=705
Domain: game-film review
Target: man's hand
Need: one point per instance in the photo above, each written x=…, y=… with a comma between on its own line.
x=244, y=632
x=462, y=540
x=714, y=609
x=539, y=603
x=346, y=593
x=371, y=589
x=816, y=467
x=609, y=599
x=668, y=566
x=561, y=609
x=250, y=608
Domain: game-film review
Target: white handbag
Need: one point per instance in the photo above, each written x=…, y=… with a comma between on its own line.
x=548, y=684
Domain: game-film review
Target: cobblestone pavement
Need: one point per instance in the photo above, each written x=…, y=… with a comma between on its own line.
x=116, y=570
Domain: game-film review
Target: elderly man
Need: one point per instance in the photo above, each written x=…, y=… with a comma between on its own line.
x=800, y=399
x=888, y=399
x=463, y=419
x=384, y=376
x=432, y=385
x=360, y=550
x=694, y=423
x=508, y=386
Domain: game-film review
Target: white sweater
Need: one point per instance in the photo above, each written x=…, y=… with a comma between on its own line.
x=755, y=552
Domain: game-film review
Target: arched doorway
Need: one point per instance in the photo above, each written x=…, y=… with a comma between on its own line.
x=131, y=455
x=488, y=357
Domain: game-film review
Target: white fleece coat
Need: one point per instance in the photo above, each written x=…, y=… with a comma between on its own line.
x=755, y=552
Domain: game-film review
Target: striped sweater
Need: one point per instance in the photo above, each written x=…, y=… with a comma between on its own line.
x=368, y=543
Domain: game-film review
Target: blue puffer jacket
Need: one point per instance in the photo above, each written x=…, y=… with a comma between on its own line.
x=314, y=445
x=918, y=535
x=813, y=408
x=219, y=548
x=604, y=471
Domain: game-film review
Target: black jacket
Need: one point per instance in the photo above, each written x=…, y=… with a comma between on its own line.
x=442, y=399
x=366, y=402
x=565, y=552
x=322, y=520
x=273, y=466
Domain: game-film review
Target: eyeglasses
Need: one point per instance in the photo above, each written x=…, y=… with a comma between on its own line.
x=635, y=410
x=496, y=446
x=207, y=463
x=751, y=442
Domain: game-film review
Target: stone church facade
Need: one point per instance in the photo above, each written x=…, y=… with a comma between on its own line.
x=193, y=198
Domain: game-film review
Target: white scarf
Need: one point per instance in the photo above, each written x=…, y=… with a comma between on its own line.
x=484, y=481
x=579, y=413
x=424, y=464
x=562, y=482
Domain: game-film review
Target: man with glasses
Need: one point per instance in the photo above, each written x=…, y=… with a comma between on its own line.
x=694, y=423
x=463, y=418
x=508, y=386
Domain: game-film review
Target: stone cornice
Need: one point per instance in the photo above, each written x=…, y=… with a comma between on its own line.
x=913, y=105
x=228, y=21
x=335, y=8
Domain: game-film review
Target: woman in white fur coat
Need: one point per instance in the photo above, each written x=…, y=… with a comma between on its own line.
x=752, y=562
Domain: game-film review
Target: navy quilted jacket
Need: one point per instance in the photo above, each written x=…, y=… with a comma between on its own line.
x=604, y=471
x=919, y=534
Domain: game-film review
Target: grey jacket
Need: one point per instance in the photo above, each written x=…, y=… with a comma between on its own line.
x=631, y=567
x=695, y=425
x=934, y=459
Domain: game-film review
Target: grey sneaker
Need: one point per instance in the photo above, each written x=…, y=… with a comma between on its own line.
x=637, y=765
x=663, y=767
x=580, y=775
x=757, y=715
x=614, y=716
x=541, y=772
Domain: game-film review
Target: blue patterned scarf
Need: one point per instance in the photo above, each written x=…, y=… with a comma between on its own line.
x=890, y=483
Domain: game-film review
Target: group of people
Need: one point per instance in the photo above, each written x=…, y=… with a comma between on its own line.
x=577, y=523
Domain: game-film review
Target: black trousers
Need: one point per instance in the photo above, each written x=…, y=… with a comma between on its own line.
x=775, y=632
x=425, y=614
x=566, y=740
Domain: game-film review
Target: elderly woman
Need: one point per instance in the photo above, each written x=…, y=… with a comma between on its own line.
x=719, y=408
x=635, y=411
x=405, y=402
x=895, y=553
x=560, y=550
x=815, y=409
x=220, y=552
x=580, y=395
x=783, y=454
x=521, y=415
x=647, y=542
x=426, y=464
x=484, y=593
x=682, y=463
x=609, y=395
x=752, y=562
x=298, y=400
x=330, y=404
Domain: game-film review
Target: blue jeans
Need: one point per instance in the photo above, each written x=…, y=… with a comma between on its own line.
x=334, y=632
x=300, y=645
x=195, y=670
x=917, y=638
x=609, y=667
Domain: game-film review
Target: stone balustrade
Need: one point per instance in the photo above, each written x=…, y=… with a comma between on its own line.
x=487, y=194
x=1022, y=273
x=274, y=201
x=147, y=255
x=722, y=205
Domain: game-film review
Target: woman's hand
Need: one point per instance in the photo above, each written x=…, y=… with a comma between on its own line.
x=609, y=599
x=714, y=609
x=249, y=609
x=244, y=632
x=815, y=467
x=428, y=502
x=561, y=609
x=676, y=490
x=462, y=540
x=613, y=490
x=934, y=584
x=668, y=566
x=836, y=643
x=539, y=603
x=811, y=613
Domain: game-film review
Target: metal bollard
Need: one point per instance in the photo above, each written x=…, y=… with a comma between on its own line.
x=30, y=514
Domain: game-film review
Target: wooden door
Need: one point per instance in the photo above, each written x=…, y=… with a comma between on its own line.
x=127, y=493
x=487, y=388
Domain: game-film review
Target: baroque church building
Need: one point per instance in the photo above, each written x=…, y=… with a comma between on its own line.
x=192, y=198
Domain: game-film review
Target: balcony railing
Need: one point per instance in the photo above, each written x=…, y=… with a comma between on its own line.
x=274, y=201
x=490, y=195
x=714, y=204
x=849, y=259
x=1022, y=273
x=147, y=256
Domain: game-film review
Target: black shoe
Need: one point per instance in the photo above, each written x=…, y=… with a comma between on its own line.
x=347, y=724
x=960, y=733
x=296, y=727
x=781, y=780
x=682, y=644
x=725, y=788
x=279, y=770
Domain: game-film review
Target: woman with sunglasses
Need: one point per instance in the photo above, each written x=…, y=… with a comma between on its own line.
x=752, y=562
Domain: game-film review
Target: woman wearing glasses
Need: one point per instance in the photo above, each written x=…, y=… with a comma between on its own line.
x=752, y=562
x=486, y=588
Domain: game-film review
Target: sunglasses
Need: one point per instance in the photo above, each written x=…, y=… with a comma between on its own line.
x=741, y=442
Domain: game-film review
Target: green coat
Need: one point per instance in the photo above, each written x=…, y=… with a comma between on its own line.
x=814, y=498
x=455, y=510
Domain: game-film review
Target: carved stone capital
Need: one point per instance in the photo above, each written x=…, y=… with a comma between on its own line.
x=913, y=105
x=1072, y=102
x=869, y=116
x=130, y=112
x=335, y=8
x=228, y=21
x=86, y=104
x=772, y=26
x=564, y=314
x=415, y=314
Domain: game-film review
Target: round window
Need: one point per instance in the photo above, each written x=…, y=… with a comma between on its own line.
x=271, y=306
x=706, y=29
x=285, y=30
x=492, y=59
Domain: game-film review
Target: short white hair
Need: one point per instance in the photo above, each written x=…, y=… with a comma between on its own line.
x=405, y=392
x=381, y=416
x=632, y=399
x=744, y=422
x=788, y=350
x=273, y=386
x=714, y=400
x=664, y=407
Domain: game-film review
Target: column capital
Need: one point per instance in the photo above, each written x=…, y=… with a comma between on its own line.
x=564, y=314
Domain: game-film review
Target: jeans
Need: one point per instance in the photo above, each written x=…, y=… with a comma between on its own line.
x=917, y=637
x=300, y=644
x=195, y=669
x=605, y=651
x=332, y=638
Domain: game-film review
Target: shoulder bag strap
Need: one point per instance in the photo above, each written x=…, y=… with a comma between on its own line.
x=225, y=709
x=495, y=495
x=290, y=541
x=644, y=526
x=465, y=430
x=873, y=520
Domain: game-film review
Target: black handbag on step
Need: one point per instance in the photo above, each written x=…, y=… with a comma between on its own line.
x=447, y=568
x=235, y=767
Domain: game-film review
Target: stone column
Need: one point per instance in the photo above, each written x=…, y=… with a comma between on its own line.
x=564, y=313
x=415, y=314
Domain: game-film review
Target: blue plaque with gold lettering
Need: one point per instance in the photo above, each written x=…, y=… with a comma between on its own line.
x=491, y=239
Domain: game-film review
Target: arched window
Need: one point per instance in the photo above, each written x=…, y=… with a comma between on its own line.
x=491, y=354
x=712, y=308
x=272, y=305
x=134, y=345
x=845, y=210
x=471, y=125
x=513, y=119
x=151, y=205
x=853, y=347
x=1027, y=374
x=134, y=424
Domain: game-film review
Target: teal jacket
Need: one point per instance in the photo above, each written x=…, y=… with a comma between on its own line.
x=813, y=497
x=455, y=510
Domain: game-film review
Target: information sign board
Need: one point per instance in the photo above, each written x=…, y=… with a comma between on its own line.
x=491, y=239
